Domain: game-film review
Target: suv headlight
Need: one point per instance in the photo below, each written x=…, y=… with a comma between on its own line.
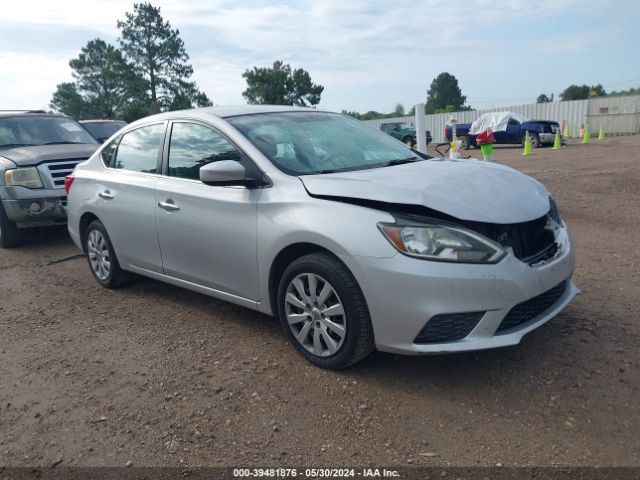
x=442, y=243
x=23, y=177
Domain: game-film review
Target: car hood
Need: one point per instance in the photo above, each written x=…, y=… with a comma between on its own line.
x=25, y=156
x=470, y=190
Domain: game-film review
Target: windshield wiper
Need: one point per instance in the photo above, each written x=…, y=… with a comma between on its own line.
x=400, y=161
x=14, y=145
x=64, y=142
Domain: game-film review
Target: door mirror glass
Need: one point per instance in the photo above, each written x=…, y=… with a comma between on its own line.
x=224, y=172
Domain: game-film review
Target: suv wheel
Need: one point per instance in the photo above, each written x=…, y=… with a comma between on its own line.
x=102, y=258
x=10, y=234
x=324, y=313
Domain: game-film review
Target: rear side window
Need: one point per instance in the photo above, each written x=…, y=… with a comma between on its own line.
x=108, y=152
x=193, y=146
x=138, y=149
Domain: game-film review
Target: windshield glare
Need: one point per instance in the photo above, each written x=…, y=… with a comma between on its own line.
x=302, y=143
x=41, y=130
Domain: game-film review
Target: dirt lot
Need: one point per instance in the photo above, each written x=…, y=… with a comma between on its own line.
x=156, y=375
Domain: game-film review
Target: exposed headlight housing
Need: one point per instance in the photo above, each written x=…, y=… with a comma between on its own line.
x=440, y=242
x=23, y=177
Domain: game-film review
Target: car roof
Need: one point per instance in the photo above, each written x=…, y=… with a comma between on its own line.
x=228, y=111
x=30, y=113
x=102, y=121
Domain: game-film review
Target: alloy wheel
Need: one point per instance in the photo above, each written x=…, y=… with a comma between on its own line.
x=98, y=252
x=315, y=314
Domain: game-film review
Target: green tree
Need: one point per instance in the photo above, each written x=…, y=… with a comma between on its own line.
x=68, y=100
x=355, y=115
x=444, y=92
x=582, y=92
x=399, y=110
x=103, y=84
x=631, y=91
x=280, y=85
x=542, y=98
x=157, y=52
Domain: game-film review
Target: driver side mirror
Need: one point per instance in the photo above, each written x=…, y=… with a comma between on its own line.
x=225, y=173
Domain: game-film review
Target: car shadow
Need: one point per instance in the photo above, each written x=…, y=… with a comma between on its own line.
x=539, y=352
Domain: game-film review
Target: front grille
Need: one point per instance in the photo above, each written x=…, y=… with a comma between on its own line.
x=58, y=169
x=531, y=241
x=529, y=309
x=448, y=327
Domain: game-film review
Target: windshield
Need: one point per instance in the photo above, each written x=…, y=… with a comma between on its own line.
x=28, y=130
x=302, y=143
x=102, y=131
x=518, y=117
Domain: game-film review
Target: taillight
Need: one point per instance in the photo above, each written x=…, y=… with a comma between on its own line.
x=68, y=181
x=446, y=132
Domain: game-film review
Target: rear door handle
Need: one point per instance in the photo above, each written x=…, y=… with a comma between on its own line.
x=106, y=195
x=168, y=206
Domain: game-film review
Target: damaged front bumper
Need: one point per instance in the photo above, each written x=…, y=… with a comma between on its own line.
x=34, y=207
x=472, y=307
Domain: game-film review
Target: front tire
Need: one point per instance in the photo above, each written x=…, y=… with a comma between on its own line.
x=10, y=234
x=102, y=258
x=324, y=313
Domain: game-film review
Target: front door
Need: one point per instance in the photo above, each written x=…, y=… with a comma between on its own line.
x=207, y=234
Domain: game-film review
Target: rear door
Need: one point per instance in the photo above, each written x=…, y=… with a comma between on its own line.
x=127, y=195
x=207, y=234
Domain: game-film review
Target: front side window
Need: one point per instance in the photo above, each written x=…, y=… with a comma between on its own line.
x=302, y=143
x=193, y=146
x=138, y=149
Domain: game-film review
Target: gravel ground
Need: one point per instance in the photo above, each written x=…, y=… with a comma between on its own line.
x=155, y=375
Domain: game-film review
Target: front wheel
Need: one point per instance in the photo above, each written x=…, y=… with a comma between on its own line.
x=102, y=258
x=10, y=234
x=324, y=313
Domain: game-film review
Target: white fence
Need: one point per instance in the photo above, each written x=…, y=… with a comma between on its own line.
x=617, y=115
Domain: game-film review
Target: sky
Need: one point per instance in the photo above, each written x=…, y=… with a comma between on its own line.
x=368, y=54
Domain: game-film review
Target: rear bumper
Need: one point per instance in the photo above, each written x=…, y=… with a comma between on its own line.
x=550, y=138
x=32, y=208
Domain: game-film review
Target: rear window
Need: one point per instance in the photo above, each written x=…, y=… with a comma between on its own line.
x=138, y=149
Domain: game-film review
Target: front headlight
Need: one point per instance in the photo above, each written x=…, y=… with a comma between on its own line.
x=23, y=177
x=442, y=243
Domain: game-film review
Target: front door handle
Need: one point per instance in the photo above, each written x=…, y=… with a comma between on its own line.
x=168, y=206
x=106, y=195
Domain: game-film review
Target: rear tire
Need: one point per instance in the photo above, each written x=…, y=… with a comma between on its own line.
x=10, y=234
x=535, y=139
x=345, y=335
x=464, y=142
x=102, y=259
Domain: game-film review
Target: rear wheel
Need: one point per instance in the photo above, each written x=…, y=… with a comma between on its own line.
x=102, y=258
x=324, y=313
x=535, y=139
x=10, y=234
x=464, y=142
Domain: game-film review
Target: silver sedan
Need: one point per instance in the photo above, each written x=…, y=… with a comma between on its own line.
x=353, y=240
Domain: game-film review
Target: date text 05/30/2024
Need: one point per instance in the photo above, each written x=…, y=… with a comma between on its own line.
x=315, y=473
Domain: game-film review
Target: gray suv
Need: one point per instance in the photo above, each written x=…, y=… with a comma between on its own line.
x=37, y=151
